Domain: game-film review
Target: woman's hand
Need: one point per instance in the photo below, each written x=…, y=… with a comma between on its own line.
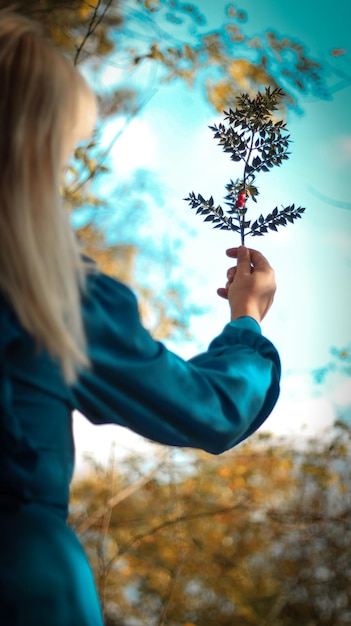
x=251, y=284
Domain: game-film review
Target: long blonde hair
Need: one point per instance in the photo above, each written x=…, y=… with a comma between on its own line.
x=41, y=272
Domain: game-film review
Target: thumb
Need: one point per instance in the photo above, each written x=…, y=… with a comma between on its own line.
x=244, y=261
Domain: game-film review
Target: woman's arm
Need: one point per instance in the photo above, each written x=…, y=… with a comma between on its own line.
x=212, y=401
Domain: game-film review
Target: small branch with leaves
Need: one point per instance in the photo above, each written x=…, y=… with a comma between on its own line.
x=253, y=137
x=94, y=22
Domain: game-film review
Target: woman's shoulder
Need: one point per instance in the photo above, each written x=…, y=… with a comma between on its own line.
x=110, y=313
x=100, y=285
x=106, y=295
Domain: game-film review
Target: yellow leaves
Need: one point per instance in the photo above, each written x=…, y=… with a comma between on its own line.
x=321, y=474
x=233, y=12
x=343, y=488
x=169, y=554
x=189, y=52
x=84, y=11
x=312, y=470
x=186, y=74
x=190, y=484
x=235, y=33
x=285, y=464
x=244, y=73
x=212, y=45
x=117, y=261
x=104, y=45
x=241, y=75
x=337, y=52
x=249, y=615
x=219, y=94
x=150, y=5
x=87, y=8
x=241, y=468
x=92, y=165
x=239, y=70
x=155, y=53
x=126, y=570
x=224, y=471
x=236, y=473
x=61, y=38
x=158, y=579
x=244, y=553
x=341, y=450
x=238, y=483
x=255, y=42
x=172, y=59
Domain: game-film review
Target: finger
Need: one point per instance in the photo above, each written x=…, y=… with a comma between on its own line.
x=258, y=260
x=222, y=293
x=231, y=274
x=244, y=261
x=232, y=252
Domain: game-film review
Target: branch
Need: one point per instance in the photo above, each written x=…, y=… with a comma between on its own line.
x=171, y=522
x=93, y=24
x=305, y=520
x=175, y=574
x=116, y=499
x=105, y=153
x=246, y=173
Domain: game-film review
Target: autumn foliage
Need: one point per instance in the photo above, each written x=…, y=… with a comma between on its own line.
x=259, y=535
x=173, y=40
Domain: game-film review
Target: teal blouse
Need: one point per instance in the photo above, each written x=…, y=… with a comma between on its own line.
x=212, y=402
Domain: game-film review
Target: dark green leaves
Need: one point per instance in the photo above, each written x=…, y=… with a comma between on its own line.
x=275, y=219
x=213, y=214
x=252, y=136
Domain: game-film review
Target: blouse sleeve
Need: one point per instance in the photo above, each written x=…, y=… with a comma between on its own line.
x=212, y=402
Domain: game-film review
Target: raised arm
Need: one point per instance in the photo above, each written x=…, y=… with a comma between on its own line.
x=211, y=402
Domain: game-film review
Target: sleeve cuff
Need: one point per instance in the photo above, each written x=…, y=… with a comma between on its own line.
x=246, y=323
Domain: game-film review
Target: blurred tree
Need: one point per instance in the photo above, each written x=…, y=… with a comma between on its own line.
x=176, y=36
x=340, y=362
x=259, y=535
x=173, y=37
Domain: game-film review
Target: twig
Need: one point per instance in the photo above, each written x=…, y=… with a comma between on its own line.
x=93, y=24
x=171, y=586
x=106, y=152
x=180, y=547
x=117, y=498
x=175, y=521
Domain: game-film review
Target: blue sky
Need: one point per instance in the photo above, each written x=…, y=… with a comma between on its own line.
x=312, y=259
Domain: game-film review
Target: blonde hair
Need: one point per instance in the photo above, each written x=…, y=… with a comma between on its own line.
x=41, y=272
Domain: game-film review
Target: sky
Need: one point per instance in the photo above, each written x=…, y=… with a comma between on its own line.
x=312, y=258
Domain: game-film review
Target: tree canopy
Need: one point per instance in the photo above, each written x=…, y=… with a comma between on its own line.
x=259, y=535
x=174, y=37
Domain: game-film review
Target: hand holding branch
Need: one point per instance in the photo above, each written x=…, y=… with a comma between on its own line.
x=250, y=287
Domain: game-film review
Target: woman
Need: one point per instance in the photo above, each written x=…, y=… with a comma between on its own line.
x=71, y=338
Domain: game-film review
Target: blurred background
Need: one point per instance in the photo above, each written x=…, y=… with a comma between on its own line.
x=260, y=535
x=167, y=71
